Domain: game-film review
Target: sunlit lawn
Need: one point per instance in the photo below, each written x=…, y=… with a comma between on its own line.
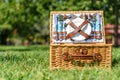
x=32, y=63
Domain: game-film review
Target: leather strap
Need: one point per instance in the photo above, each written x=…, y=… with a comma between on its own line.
x=96, y=32
x=81, y=32
x=70, y=35
x=96, y=37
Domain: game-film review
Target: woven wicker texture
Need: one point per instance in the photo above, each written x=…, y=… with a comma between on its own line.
x=57, y=60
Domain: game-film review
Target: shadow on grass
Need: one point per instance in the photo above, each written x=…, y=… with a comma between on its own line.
x=3, y=50
x=24, y=48
x=115, y=61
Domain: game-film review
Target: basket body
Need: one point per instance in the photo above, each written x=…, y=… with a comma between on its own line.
x=57, y=52
x=77, y=54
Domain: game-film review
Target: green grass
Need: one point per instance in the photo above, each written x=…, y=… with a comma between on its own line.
x=32, y=63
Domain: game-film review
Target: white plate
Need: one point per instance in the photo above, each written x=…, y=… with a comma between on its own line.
x=85, y=28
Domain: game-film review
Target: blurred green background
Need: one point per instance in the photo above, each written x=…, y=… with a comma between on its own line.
x=24, y=22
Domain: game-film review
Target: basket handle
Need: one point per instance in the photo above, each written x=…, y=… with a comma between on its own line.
x=81, y=57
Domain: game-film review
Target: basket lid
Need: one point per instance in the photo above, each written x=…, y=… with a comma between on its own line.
x=77, y=27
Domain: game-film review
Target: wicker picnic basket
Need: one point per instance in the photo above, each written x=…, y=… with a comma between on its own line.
x=77, y=39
